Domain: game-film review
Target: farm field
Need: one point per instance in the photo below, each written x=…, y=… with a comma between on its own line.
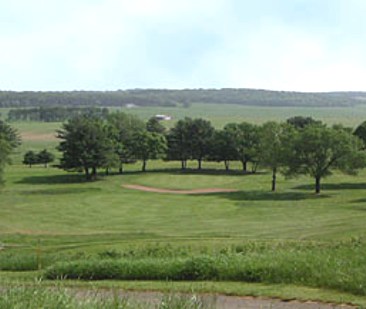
x=50, y=215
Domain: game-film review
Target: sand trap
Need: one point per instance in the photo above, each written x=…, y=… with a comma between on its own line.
x=195, y=191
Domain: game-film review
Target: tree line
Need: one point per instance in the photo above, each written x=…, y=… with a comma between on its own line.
x=298, y=146
x=54, y=114
x=184, y=97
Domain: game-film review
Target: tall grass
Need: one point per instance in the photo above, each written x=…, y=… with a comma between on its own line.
x=342, y=267
x=37, y=297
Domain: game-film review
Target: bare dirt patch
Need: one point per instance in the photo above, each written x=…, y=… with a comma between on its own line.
x=171, y=191
x=28, y=136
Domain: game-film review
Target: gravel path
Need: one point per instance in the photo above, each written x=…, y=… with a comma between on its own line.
x=151, y=299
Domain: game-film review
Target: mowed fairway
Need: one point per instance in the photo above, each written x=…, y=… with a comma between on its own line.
x=48, y=202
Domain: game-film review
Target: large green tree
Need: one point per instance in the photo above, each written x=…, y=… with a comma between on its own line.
x=85, y=146
x=147, y=145
x=223, y=147
x=274, y=142
x=317, y=150
x=122, y=128
x=9, y=140
x=201, y=134
x=246, y=140
x=179, y=142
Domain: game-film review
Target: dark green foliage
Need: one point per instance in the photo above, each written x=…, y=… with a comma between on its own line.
x=316, y=150
x=179, y=142
x=223, y=147
x=121, y=129
x=274, y=142
x=245, y=137
x=85, y=146
x=45, y=157
x=147, y=145
x=201, y=134
x=30, y=158
x=154, y=125
x=300, y=122
x=360, y=132
x=190, y=139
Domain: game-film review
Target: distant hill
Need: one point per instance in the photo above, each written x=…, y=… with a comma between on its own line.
x=186, y=97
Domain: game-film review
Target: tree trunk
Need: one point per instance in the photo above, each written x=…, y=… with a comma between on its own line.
x=317, y=185
x=254, y=167
x=184, y=164
x=30, y=165
x=199, y=164
x=274, y=171
x=227, y=165
x=143, y=165
x=45, y=165
x=244, y=165
x=120, y=168
x=107, y=171
x=94, y=173
x=87, y=174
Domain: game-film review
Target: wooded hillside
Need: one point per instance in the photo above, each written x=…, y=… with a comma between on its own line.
x=186, y=97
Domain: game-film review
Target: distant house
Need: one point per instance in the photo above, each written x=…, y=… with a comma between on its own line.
x=163, y=117
x=131, y=105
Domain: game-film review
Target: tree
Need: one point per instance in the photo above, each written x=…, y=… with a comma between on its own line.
x=180, y=142
x=121, y=129
x=275, y=138
x=85, y=145
x=300, y=122
x=201, y=133
x=44, y=157
x=223, y=147
x=30, y=158
x=246, y=140
x=361, y=133
x=148, y=145
x=154, y=125
x=9, y=140
x=317, y=150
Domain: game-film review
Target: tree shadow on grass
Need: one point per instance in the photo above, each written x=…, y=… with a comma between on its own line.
x=335, y=186
x=190, y=171
x=267, y=196
x=59, y=191
x=359, y=201
x=54, y=179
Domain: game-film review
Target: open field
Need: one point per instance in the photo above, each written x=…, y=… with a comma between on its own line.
x=48, y=215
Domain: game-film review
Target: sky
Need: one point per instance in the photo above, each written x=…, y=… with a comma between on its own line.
x=290, y=45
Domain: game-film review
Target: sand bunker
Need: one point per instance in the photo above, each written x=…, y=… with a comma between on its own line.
x=194, y=191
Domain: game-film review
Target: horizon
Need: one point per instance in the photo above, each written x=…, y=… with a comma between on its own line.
x=182, y=89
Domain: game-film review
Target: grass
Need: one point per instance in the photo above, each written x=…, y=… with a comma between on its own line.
x=67, y=219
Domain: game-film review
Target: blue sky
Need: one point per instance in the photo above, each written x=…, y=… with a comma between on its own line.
x=299, y=45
